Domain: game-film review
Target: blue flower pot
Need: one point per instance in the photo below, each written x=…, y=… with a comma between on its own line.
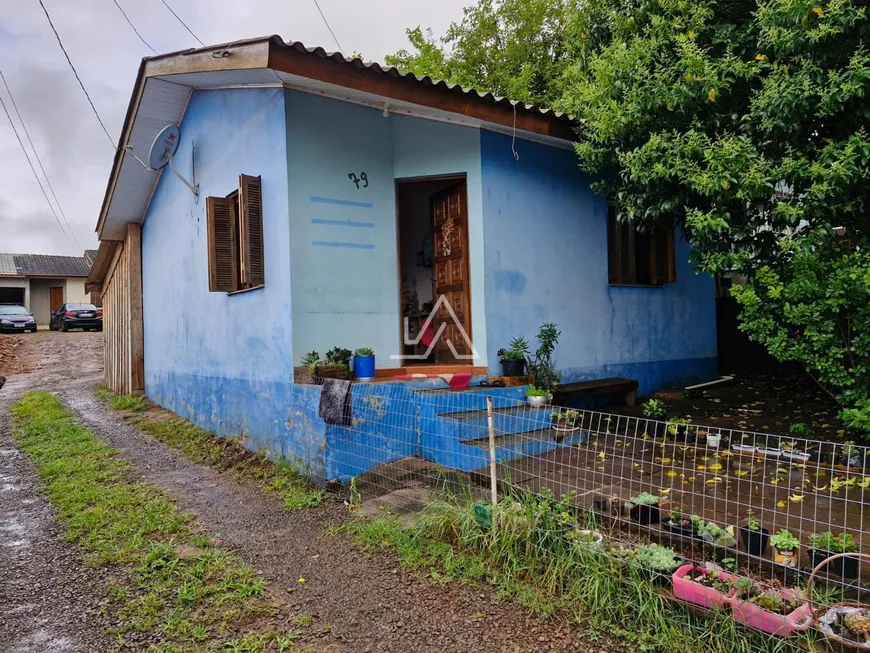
x=364, y=368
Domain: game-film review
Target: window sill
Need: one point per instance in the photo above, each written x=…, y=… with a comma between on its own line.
x=244, y=290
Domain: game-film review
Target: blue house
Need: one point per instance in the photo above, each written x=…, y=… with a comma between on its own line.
x=336, y=203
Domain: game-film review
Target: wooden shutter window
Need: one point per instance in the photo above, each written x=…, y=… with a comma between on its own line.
x=620, y=249
x=251, y=231
x=223, y=272
x=662, y=257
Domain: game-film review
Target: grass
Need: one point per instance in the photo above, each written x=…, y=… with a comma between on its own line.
x=172, y=586
x=528, y=556
x=277, y=477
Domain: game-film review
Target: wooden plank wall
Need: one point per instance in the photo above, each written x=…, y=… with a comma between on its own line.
x=123, y=342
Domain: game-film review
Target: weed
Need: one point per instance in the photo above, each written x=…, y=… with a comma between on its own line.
x=279, y=477
x=303, y=620
x=185, y=602
x=128, y=402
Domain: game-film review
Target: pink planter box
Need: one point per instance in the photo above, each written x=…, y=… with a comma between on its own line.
x=692, y=592
x=775, y=624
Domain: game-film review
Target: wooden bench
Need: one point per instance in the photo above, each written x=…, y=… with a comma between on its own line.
x=614, y=385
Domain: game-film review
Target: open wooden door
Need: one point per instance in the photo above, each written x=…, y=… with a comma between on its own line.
x=450, y=257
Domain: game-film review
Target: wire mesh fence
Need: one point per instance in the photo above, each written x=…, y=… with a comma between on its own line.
x=766, y=508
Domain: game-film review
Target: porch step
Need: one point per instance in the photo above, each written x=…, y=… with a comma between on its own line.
x=521, y=438
x=504, y=410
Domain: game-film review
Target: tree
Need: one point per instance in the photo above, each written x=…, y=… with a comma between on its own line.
x=745, y=123
x=513, y=48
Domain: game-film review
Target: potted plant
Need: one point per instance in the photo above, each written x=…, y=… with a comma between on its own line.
x=705, y=587
x=654, y=409
x=336, y=366
x=513, y=359
x=656, y=562
x=566, y=421
x=541, y=365
x=852, y=456
x=678, y=428
x=847, y=622
x=824, y=545
x=306, y=372
x=771, y=609
x=679, y=524
x=717, y=540
x=786, y=546
x=713, y=440
x=538, y=397
x=364, y=364
x=644, y=509
x=587, y=538
x=755, y=537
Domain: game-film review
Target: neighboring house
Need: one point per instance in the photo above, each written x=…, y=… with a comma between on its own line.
x=337, y=197
x=43, y=282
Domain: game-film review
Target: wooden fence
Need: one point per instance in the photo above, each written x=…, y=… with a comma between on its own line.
x=122, y=317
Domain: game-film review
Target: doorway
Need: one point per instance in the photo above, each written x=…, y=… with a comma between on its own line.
x=55, y=297
x=434, y=269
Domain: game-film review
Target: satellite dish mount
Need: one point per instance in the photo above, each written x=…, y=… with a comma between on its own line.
x=163, y=149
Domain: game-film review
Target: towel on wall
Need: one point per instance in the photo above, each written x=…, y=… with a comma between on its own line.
x=335, y=402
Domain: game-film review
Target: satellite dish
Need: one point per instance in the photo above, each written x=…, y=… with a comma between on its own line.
x=164, y=146
x=163, y=149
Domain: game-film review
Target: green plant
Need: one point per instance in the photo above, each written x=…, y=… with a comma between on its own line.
x=570, y=417
x=339, y=356
x=542, y=365
x=784, y=540
x=355, y=500
x=859, y=624
x=364, y=351
x=849, y=448
x=654, y=408
x=536, y=391
x=656, y=558
x=798, y=427
x=518, y=349
x=642, y=499
x=828, y=541
x=310, y=360
x=674, y=422
x=751, y=521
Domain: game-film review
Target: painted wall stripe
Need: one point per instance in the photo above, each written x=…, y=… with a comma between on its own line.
x=326, y=243
x=333, y=200
x=343, y=223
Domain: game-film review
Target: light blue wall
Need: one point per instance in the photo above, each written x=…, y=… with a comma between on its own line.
x=225, y=362
x=545, y=247
x=344, y=247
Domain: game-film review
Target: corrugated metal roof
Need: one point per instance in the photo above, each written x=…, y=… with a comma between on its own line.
x=44, y=265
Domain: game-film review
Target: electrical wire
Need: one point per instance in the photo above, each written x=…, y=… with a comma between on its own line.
x=38, y=160
x=75, y=72
x=323, y=16
x=38, y=181
x=133, y=27
x=182, y=22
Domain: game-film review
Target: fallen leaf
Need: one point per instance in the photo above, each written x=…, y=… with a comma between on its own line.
x=712, y=97
x=702, y=467
x=671, y=473
x=796, y=498
x=864, y=482
x=715, y=467
x=818, y=11
x=741, y=473
x=780, y=504
x=664, y=490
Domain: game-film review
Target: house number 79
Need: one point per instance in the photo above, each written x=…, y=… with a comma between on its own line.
x=362, y=179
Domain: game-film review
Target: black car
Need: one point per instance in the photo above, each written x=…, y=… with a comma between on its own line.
x=15, y=318
x=76, y=316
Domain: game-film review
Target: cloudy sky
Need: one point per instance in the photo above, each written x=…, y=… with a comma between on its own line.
x=106, y=52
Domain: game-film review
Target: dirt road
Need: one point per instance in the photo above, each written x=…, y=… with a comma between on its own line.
x=359, y=602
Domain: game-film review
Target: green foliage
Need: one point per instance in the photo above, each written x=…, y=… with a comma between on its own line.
x=518, y=349
x=570, y=417
x=654, y=408
x=656, y=558
x=642, y=499
x=187, y=596
x=828, y=541
x=310, y=360
x=542, y=365
x=134, y=403
x=784, y=540
x=513, y=48
x=534, y=391
x=338, y=356
x=364, y=351
x=814, y=309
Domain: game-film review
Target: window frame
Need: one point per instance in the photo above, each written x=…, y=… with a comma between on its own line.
x=622, y=254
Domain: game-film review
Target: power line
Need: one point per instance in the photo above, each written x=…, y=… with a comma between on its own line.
x=33, y=170
x=75, y=72
x=182, y=22
x=133, y=27
x=334, y=37
x=38, y=160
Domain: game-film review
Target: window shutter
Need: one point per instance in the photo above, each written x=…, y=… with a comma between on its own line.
x=613, y=236
x=251, y=230
x=626, y=253
x=662, y=257
x=223, y=273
